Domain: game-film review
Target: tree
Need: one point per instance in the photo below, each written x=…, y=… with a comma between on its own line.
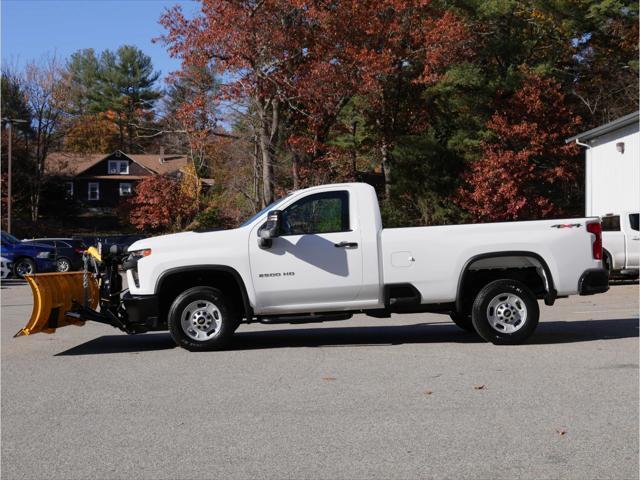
x=80, y=76
x=191, y=115
x=45, y=97
x=256, y=45
x=91, y=133
x=526, y=171
x=605, y=70
x=161, y=203
x=297, y=64
x=120, y=85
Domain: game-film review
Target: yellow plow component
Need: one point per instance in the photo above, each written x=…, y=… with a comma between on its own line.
x=53, y=296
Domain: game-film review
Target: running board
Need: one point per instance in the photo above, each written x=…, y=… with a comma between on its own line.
x=311, y=318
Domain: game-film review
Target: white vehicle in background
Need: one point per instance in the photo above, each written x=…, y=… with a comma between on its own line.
x=621, y=243
x=5, y=267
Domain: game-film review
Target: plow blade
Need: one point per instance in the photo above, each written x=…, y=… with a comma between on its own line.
x=53, y=295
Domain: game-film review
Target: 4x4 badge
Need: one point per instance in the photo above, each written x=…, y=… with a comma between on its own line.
x=566, y=225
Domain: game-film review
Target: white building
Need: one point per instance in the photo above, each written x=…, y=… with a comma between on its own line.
x=612, y=171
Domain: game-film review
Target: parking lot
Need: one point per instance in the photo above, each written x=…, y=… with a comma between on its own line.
x=408, y=397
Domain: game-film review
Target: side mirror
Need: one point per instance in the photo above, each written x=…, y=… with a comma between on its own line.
x=271, y=229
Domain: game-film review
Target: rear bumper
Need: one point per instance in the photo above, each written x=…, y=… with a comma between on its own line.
x=592, y=281
x=143, y=310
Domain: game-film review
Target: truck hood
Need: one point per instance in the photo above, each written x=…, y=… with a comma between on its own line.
x=185, y=240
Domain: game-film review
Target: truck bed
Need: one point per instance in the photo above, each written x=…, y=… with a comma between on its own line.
x=431, y=258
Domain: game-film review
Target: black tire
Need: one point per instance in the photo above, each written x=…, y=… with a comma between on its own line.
x=607, y=261
x=463, y=320
x=63, y=264
x=215, y=329
x=502, y=303
x=24, y=266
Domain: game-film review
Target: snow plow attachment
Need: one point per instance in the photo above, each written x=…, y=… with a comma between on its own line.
x=55, y=294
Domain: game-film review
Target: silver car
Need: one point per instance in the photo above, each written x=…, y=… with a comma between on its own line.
x=6, y=267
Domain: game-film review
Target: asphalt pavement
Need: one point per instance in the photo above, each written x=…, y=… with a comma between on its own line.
x=408, y=397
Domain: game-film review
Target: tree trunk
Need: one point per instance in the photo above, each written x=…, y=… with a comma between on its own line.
x=257, y=194
x=130, y=138
x=294, y=171
x=386, y=168
x=121, y=131
x=267, y=169
x=354, y=151
x=268, y=136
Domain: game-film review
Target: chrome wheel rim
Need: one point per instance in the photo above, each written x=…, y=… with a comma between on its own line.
x=201, y=320
x=24, y=268
x=507, y=313
x=62, y=265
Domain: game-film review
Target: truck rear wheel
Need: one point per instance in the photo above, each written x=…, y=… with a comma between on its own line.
x=505, y=312
x=201, y=319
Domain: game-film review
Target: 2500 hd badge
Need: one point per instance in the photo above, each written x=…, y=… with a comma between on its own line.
x=277, y=274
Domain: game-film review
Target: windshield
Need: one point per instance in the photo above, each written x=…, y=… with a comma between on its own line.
x=8, y=238
x=263, y=211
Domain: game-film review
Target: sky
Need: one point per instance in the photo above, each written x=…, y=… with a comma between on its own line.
x=31, y=29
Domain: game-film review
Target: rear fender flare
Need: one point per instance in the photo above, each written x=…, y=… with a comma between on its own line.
x=551, y=294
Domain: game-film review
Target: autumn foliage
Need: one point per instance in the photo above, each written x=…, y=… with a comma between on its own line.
x=298, y=63
x=526, y=170
x=454, y=111
x=161, y=202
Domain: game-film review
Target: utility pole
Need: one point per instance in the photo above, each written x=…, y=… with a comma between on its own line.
x=10, y=122
x=9, y=179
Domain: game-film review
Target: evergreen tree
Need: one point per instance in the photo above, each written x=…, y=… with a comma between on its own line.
x=81, y=78
x=125, y=90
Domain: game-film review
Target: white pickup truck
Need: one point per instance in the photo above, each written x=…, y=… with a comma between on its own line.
x=621, y=243
x=322, y=254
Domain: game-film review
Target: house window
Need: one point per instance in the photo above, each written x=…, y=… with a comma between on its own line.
x=94, y=191
x=68, y=189
x=125, y=189
x=118, y=167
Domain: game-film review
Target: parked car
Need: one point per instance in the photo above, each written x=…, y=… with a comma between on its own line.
x=6, y=267
x=621, y=243
x=123, y=241
x=27, y=258
x=68, y=252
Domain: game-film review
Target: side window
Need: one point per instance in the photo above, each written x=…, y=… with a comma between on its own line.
x=634, y=219
x=325, y=212
x=611, y=223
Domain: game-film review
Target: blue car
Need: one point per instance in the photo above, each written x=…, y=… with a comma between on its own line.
x=27, y=258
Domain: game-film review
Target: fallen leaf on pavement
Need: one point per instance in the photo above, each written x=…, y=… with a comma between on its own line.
x=428, y=392
x=561, y=432
x=479, y=387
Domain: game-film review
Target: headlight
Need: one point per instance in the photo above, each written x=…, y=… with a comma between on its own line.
x=141, y=253
x=44, y=254
x=131, y=261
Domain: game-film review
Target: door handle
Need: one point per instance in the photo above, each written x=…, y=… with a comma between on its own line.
x=635, y=238
x=346, y=245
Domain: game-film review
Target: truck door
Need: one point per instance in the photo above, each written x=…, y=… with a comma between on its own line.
x=315, y=263
x=633, y=242
x=614, y=240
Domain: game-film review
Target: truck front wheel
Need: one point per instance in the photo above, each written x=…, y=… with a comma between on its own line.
x=505, y=312
x=463, y=320
x=201, y=319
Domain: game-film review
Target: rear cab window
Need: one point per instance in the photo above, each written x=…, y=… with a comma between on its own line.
x=634, y=220
x=611, y=223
